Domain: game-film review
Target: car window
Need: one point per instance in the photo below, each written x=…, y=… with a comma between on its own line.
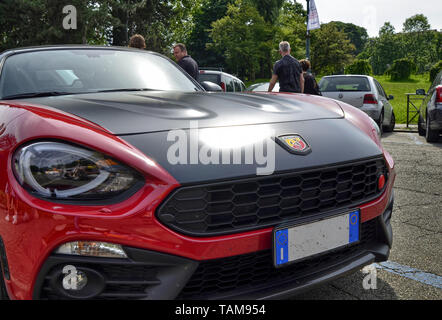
x=89, y=70
x=212, y=77
x=437, y=81
x=243, y=86
x=229, y=85
x=334, y=84
x=380, y=89
x=237, y=86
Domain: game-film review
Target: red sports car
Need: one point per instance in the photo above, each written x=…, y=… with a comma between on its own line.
x=123, y=178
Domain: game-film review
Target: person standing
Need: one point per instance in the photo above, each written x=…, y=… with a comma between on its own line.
x=310, y=84
x=288, y=71
x=185, y=61
x=137, y=41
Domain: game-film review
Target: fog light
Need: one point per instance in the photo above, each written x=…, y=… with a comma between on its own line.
x=92, y=249
x=74, y=279
x=381, y=182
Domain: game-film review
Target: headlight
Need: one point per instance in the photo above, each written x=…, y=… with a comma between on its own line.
x=60, y=171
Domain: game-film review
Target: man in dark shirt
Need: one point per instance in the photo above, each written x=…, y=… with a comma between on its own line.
x=185, y=61
x=288, y=71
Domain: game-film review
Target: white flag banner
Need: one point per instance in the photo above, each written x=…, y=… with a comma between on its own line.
x=313, y=18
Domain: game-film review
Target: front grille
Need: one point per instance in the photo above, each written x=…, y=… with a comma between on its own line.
x=248, y=204
x=255, y=270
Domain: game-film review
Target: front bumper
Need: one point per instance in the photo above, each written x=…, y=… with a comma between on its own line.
x=152, y=275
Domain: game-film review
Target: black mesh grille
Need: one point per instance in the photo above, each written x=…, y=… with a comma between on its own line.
x=253, y=271
x=235, y=206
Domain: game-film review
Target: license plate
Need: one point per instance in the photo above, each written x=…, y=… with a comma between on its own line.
x=298, y=242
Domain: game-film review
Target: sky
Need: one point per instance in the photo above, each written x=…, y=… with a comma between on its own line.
x=372, y=14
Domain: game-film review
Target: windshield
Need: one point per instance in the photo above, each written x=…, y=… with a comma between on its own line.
x=333, y=84
x=89, y=70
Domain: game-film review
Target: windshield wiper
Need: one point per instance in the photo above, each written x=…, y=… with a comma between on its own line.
x=126, y=89
x=36, y=95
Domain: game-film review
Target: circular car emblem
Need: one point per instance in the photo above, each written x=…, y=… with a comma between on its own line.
x=294, y=143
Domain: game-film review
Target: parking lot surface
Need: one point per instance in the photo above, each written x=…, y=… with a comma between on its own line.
x=414, y=269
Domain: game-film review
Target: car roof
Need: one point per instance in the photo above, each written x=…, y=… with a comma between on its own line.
x=202, y=70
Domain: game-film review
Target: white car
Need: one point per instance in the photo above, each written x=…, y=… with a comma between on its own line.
x=227, y=82
x=363, y=92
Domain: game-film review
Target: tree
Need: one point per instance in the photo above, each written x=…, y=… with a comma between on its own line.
x=243, y=37
x=416, y=23
x=383, y=50
x=358, y=36
x=268, y=9
x=199, y=43
x=387, y=29
x=291, y=27
x=331, y=50
x=39, y=22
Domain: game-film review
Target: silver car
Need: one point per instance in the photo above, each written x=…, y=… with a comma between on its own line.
x=363, y=92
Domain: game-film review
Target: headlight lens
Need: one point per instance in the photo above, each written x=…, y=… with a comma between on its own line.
x=60, y=171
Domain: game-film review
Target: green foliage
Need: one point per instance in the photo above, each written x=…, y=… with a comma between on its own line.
x=244, y=38
x=358, y=36
x=359, y=66
x=331, y=50
x=416, y=42
x=39, y=22
x=401, y=69
x=268, y=9
x=435, y=70
x=200, y=44
x=416, y=23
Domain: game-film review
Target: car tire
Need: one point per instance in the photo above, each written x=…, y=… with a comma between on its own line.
x=431, y=135
x=420, y=129
x=392, y=124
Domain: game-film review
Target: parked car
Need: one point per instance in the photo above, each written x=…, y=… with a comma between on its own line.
x=228, y=82
x=100, y=198
x=263, y=87
x=430, y=114
x=364, y=93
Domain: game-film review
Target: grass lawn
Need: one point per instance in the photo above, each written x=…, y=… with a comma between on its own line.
x=398, y=89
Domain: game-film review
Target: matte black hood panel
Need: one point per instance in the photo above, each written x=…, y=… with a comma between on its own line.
x=141, y=112
x=332, y=141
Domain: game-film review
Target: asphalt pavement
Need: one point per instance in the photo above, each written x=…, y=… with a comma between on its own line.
x=414, y=268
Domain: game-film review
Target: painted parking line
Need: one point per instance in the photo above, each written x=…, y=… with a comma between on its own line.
x=415, y=139
x=411, y=273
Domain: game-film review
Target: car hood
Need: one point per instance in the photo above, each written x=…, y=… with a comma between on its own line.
x=125, y=113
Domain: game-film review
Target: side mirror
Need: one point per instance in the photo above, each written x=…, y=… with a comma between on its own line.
x=210, y=86
x=390, y=97
x=420, y=92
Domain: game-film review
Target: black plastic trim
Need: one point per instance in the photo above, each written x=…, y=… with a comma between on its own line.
x=274, y=176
